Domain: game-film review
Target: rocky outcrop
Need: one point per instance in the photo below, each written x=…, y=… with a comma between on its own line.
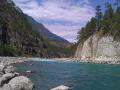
x=98, y=48
x=11, y=80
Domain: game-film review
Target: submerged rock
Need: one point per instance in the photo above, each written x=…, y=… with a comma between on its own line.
x=61, y=87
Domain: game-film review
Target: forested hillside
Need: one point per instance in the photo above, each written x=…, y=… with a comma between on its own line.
x=100, y=38
x=104, y=23
x=17, y=37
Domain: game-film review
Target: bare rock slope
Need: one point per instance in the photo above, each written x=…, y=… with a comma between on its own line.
x=98, y=48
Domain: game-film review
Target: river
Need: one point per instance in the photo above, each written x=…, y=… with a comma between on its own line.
x=47, y=74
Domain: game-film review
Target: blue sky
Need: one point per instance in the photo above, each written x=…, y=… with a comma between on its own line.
x=62, y=17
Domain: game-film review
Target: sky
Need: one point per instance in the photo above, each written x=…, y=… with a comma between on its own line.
x=62, y=17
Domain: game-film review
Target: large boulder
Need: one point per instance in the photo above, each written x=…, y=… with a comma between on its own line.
x=21, y=83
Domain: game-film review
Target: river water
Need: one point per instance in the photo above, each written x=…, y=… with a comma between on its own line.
x=47, y=74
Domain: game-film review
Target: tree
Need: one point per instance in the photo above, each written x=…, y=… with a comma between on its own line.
x=108, y=12
x=87, y=31
x=107, y=18
x=117, y=3
x=115, y=25
x=98, y=17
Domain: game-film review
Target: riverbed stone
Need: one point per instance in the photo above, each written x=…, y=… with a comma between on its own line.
x=6, y=77
x=9, y=79
x=2, y=66
x=9, y=69
x=6, y=87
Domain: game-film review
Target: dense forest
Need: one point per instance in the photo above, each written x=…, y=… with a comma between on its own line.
x=104, y=23
x=17, y=37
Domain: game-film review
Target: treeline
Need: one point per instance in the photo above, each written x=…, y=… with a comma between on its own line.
x=105, y=23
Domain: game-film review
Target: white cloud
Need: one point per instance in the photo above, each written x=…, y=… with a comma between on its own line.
x=59, y=10
x=67, y=32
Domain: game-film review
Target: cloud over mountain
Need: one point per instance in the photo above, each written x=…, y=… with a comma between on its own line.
x=62, y=17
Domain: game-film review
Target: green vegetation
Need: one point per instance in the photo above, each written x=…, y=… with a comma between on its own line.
x=87, y=31
x=17, y=37
x=16, y=33
x=60, y=52
x=107, y=23
x=6, y=50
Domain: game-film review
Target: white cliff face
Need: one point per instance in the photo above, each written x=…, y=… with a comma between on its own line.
x=78, y=51
x=96, y=48
x=87, y=49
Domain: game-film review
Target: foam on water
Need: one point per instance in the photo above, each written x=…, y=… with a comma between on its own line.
x=52, y=60
x=43, y=59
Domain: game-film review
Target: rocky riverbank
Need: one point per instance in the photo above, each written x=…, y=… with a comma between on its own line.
x=9, y=78
x=99, y=49
x=97, y=61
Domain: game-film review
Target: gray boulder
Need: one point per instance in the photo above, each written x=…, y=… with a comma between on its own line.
x=9, y=69
x=2, y=66
x=6, y=77
x=1, y=74
x=6, y=87
x=21, y=83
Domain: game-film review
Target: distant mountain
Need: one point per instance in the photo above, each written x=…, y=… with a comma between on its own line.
x=42, y=30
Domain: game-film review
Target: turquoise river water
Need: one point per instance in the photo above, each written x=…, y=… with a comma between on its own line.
x=78, y=76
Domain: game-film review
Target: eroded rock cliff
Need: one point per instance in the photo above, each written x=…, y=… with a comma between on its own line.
x=100, y=48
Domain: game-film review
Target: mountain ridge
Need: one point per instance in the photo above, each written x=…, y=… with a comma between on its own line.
x=42, y=30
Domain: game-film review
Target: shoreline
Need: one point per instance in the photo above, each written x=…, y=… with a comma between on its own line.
x=13, y=60
x=77, y=60
x=9, y=78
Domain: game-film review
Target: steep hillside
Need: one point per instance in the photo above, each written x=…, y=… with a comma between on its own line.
x=100, y=38
x=17, y=37
x=42, y=30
